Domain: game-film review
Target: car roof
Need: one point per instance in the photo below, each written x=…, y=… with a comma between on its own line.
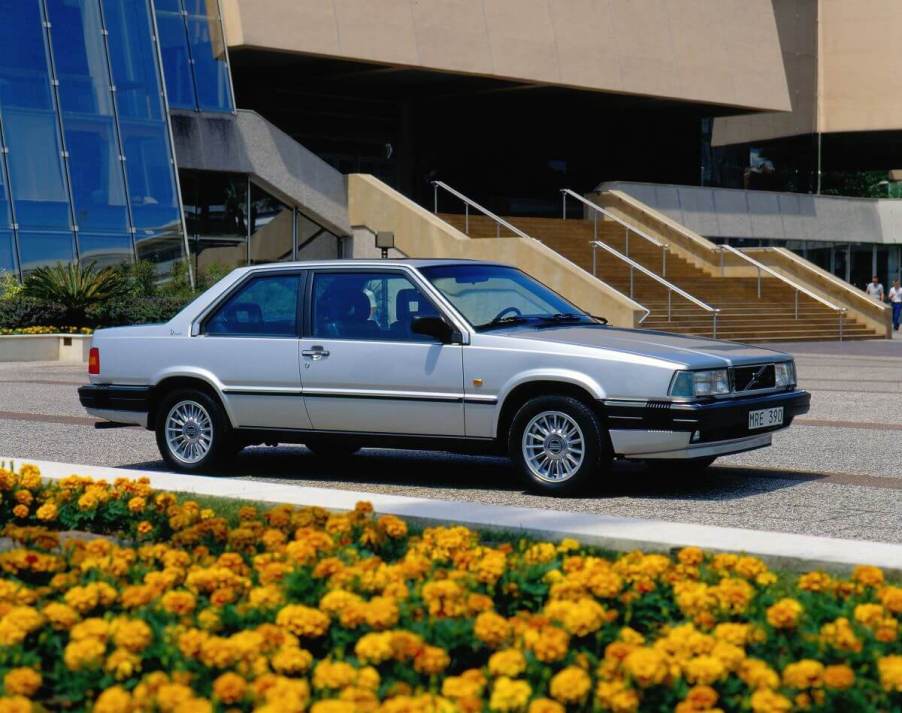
x=371, y=262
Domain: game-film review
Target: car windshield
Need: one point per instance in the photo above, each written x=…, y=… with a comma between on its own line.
x=495, y=296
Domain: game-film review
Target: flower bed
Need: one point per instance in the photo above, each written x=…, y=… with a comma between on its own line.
x=178, y=610
x=35, y=331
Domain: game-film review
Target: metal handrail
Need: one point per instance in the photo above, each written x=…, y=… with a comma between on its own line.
x=629, y=228
x=671, y=288
x=468, y=202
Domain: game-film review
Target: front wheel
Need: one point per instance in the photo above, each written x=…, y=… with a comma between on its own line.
x=193, y=433
x=558, y=444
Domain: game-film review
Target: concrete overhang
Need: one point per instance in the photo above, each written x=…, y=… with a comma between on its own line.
x=718, y=52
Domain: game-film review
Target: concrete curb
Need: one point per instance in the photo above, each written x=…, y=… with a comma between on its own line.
x=784, y=550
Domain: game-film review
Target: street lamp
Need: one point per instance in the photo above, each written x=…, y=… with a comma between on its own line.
x=385, y=239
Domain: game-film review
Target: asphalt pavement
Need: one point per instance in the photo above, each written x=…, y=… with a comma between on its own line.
x=837, y=472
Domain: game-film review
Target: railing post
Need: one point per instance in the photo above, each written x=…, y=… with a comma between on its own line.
x=631, y=281
x=467, y=218
x=842, y=316
x=721, y=260
x=714, y=324
x=564, y=201
x=435, y=198
x=595, y=225
x=663, y=261
x=669, y=296
x=595, y=260
x=797, y=304
x=759, y=283
x=626, y=242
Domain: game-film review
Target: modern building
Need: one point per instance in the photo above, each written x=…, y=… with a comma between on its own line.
x=223, y=131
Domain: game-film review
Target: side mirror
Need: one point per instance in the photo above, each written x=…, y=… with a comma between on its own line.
x=434, y=327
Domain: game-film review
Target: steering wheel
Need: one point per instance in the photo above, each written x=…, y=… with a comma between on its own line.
x=515, y=311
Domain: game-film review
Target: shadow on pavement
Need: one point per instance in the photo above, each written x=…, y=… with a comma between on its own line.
x=447, y=472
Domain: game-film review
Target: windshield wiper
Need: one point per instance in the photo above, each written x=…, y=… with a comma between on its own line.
x=505, y=321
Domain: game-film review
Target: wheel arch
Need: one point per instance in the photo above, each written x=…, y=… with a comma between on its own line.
x=178, y=380
x=544, y=385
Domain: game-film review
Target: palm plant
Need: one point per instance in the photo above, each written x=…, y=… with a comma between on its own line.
x=76, y=287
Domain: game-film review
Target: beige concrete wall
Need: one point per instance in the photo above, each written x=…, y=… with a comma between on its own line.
x=419, y=233
x=843, y=62
x=718, y=51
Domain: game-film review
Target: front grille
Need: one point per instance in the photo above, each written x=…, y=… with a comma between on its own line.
x=754, y=378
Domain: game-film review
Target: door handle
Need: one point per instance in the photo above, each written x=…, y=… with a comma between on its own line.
x=316, y=352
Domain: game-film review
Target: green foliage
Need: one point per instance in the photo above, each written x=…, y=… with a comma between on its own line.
x=74, y=286
x=10, y=287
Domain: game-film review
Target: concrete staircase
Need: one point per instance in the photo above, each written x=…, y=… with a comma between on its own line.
x=743, y=316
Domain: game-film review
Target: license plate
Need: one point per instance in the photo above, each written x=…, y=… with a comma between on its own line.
x=765, y=418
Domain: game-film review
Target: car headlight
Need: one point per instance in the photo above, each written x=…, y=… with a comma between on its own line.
x=785, y=374
x=700, y=383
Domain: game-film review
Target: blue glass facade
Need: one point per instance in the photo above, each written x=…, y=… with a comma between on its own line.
x=195, y=60
x=87, y=170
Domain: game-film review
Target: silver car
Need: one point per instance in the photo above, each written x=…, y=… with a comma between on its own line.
x=432, y=354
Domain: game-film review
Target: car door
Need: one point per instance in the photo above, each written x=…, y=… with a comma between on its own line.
x=362, y=367
x=249, y=341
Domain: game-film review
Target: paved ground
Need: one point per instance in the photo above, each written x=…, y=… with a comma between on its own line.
x=837, y=472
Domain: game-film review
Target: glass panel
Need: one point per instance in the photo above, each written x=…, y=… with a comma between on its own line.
x=36, y=175
x=98, y=189
x=266, y=306
x=841, y=261
x=272, y=227
x=314, y=241
x=164, y=248
x=217, y=254
x=819, y=254
x=44, y=249
x=210, y=65
x=5, y=216
x=24, y=74
x=7, y=252
x=217, y=204
x=134, y=59
x=368, y=306
x=150, y=177
x=168, y=5
x=862, y=265
x=104, y=249
x=176, y=67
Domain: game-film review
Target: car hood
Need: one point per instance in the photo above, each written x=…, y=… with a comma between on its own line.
x=693, y=352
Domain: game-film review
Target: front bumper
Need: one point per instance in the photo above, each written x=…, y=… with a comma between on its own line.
x=668, y=429
x=120, y=404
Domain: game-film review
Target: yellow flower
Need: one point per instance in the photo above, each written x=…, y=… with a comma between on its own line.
x=47, y=512
x=545, y=705
x=229, y=688
x=136, y=504
x=840, y=635
x=839, y=676
x=291, y=660
x=647, y=667
x=122, y=664
x=806, y=673
x=890, y=669
x=303, y=621
x=785, y=614
x=21, y=682
x=509, y=694
x=492, y=629
x=431, y=660
x=891, y=598
x=375, y=647
x=704, y=670
x=20, y=511
x=548, y=644
x=757, y=674
x=60, y=616
x=86, y=653
x=867, y=575
x=131, y=634
x=570, y=685
x=816, y=582
x=765, y=700
x=507, y=662
x=333, y=675
x=178, y=602
x=114, y=700
x=616, y=697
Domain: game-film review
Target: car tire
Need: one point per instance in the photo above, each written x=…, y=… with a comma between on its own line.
x=193, y=431
x=559, y=445
x=332, y=448
x=676, y=466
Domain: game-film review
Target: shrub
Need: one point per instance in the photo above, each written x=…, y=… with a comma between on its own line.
x=20, y=311
x=75, y=286
x=289, y=608
x=134, y=310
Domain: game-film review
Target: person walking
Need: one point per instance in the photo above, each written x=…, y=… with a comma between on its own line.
x=875, y=289
x=895, y=299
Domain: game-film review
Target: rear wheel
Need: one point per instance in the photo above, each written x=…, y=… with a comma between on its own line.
x=193, y=432
x=558, y=444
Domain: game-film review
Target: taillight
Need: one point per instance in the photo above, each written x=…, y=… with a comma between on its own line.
x=94, y=361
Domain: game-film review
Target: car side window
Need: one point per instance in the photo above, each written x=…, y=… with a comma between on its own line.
x=368, y=305
x=266, y=306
